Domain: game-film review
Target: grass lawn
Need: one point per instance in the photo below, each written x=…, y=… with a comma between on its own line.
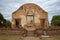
x=56, y=37
x=10, y=37
x=18, y=37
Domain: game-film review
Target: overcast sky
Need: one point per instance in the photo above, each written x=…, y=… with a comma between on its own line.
x=9, y=6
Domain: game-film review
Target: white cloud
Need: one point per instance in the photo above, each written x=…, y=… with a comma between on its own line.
x=35, y=1
x=50, y=2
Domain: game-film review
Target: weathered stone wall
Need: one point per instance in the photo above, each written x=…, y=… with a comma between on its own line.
x=39, y=14
x=38, y=32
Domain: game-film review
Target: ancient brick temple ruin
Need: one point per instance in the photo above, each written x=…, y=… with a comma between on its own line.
x=30, y=17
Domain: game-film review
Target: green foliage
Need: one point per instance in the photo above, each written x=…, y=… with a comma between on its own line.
x=4, y=22
x=55, y=20
x=1, y=19
x=8, y=23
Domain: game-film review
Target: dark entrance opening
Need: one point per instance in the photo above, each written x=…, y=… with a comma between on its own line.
x=42, y=26
x=17, y=22
x=42, y=21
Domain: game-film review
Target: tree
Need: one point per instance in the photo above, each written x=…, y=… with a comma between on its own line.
x=1, y=19
x=4, y=22
x=55, y=20
x=8, y=23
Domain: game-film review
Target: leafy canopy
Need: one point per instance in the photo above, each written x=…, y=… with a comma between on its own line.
x=55, y=20
x=4, y=22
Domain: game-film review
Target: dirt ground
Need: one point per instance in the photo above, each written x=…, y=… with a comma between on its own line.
x=18, y=37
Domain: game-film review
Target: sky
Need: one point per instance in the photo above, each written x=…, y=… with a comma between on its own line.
x=9, y=6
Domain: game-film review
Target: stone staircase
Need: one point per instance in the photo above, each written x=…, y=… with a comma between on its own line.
x=30, y=33
x=31, y=38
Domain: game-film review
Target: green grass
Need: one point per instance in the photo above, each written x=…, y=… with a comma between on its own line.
x=18, y=37
x=56, y=37
x=11, y=37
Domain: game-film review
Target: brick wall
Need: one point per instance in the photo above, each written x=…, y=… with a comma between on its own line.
x=38, y=32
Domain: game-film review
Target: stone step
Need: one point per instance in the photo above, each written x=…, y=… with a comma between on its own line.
x=31, y=38
x=30, y=33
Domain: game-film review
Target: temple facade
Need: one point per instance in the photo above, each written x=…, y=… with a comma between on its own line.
x=30, y=17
